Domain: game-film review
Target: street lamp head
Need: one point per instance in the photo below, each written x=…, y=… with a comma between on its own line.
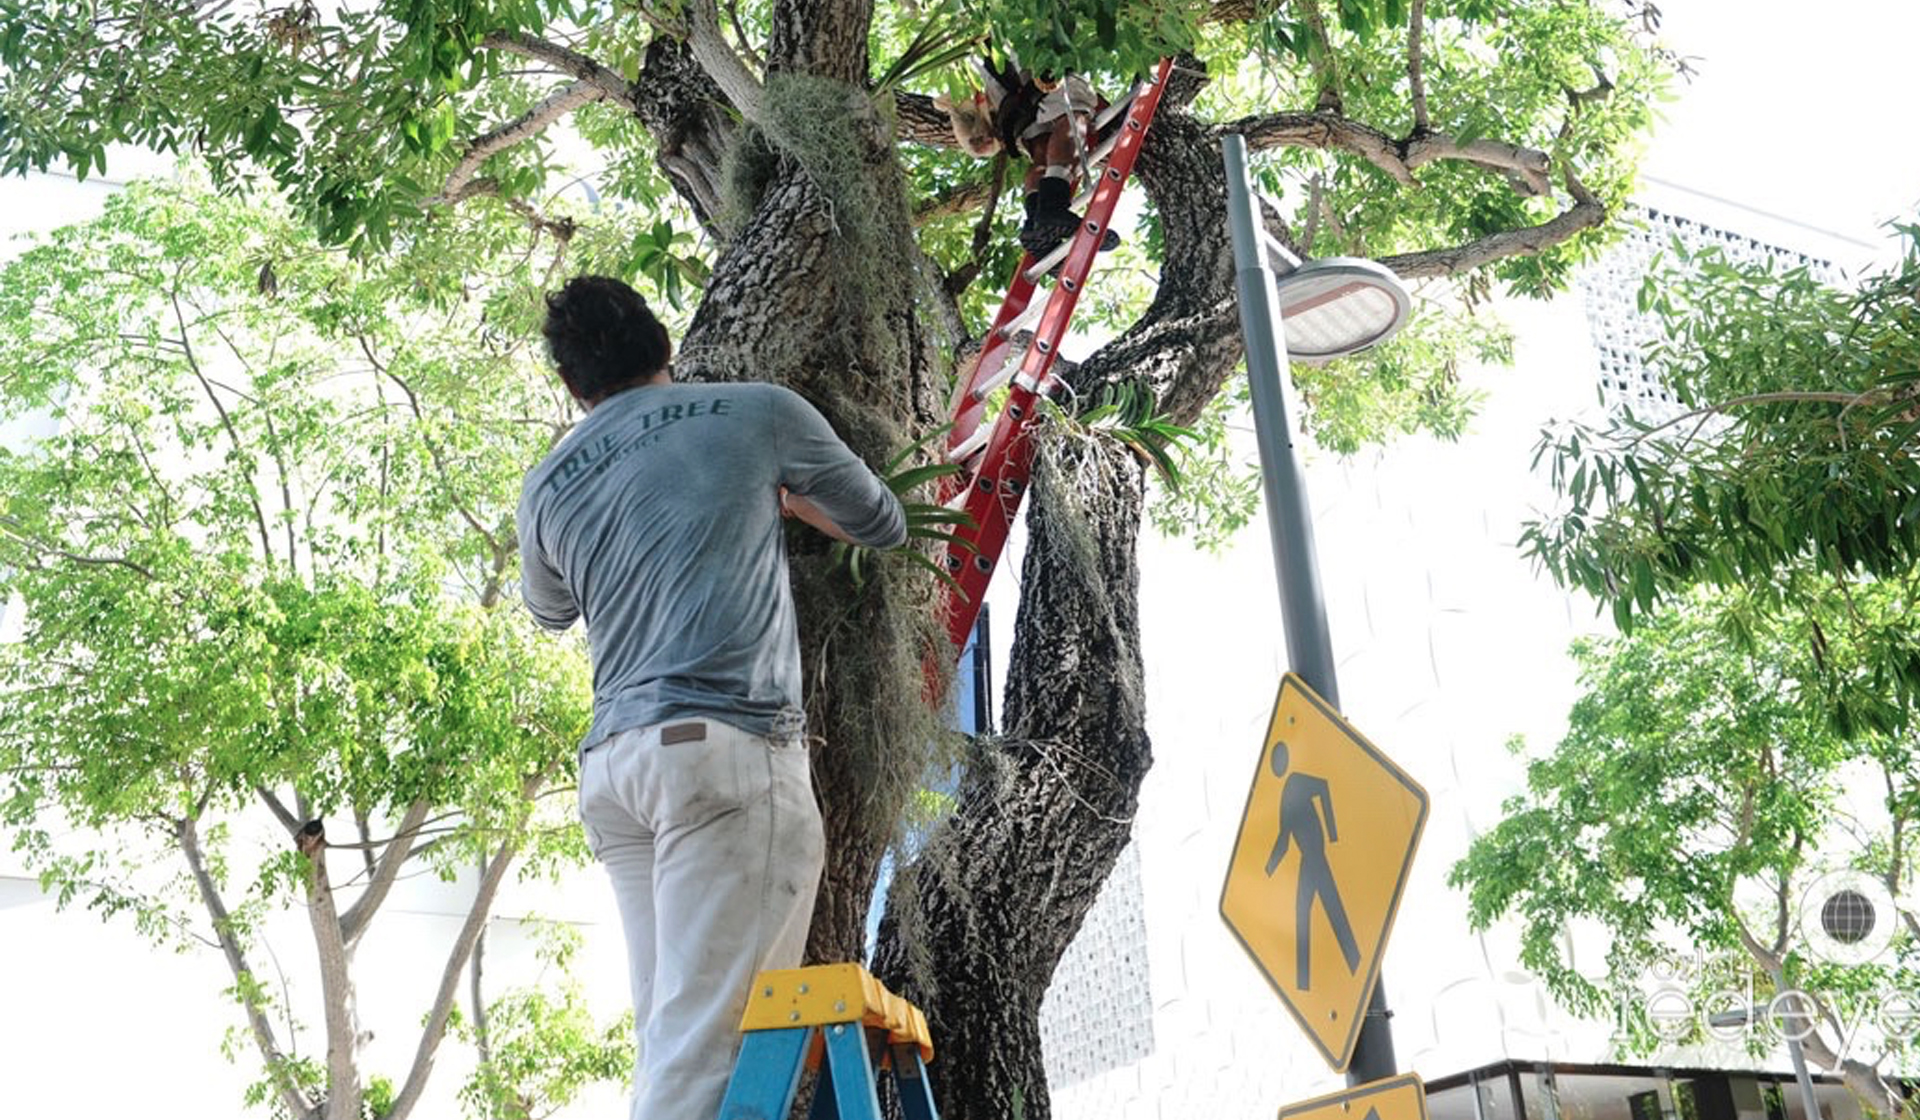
x=1339, y=306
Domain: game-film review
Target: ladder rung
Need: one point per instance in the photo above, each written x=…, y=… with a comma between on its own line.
x=969, y=447
x=1000, y=376
x=1046, y=264
x=1113, y=111
x=1020, y=322
x=1106, y=148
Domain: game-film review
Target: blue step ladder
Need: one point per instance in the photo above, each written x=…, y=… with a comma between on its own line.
x=838, y=1019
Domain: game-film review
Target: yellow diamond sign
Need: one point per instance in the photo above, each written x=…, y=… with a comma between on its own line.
x=1394, y=1098
x=1325, y=845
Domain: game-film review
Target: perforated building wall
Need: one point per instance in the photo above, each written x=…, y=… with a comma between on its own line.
x=1098, y=1014
x=1621, y=332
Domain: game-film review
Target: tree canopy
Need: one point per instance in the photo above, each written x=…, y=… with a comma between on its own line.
x=1699, y=796
x=263, y=561
x=1789, y=474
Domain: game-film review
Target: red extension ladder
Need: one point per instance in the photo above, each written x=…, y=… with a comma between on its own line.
x=998, y=457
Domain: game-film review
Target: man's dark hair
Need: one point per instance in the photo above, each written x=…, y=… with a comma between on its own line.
x=603, y=337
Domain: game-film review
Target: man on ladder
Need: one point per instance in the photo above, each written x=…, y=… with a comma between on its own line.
x=658, y=520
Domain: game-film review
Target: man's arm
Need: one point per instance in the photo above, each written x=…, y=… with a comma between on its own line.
x=547, y=597
x=827, y=485
x=793, y=505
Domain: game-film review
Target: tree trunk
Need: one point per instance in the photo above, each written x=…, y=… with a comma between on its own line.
x=977, y=923
x=821, y=289
x=835, y=301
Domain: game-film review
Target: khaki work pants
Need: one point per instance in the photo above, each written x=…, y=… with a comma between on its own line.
x=713, y=842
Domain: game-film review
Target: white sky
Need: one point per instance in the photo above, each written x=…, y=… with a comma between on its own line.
x=1804, y=111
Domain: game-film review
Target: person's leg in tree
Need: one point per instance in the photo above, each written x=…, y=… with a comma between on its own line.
x=1050, y=217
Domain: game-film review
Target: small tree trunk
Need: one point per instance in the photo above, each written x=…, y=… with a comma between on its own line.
x=336, y=979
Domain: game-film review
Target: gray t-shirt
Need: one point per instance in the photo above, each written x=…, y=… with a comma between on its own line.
x=658, y=520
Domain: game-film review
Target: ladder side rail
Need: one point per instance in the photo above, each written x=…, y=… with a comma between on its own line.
x=849, y=1065
x=993, y=501
x=766, y=1075
x=910, y=1078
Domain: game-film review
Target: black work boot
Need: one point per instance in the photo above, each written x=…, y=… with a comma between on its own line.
x=1051, y=220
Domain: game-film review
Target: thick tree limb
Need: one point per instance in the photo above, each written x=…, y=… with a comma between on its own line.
x=966, y=197
x=825, y=38
x=1530, y=165
x=919, y=120
x=690, y=120
x=1586, y=212
x=716, y=56
x=292, y=1097
x=1322, y=130
x=1398, y=158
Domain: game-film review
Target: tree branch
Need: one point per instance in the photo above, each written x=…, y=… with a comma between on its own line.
x=358, y=916
x=437, y=1016
x=291, y=1096
x=1587, y=212
x=1787, y=397
x=965, y=197
x=280, y=812
x=461, y=184
x=433, y=448
x=1525, y=167
x=226, y=421
x=1321, y=130
x=13, y=529
x=1416, y=27
x=583, y=69
x=1322, y=60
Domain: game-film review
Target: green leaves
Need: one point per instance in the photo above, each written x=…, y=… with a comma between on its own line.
x=927, y=522
x=1116, y=39
x=265, y=557
x=1700, y=786
x=1794, y=459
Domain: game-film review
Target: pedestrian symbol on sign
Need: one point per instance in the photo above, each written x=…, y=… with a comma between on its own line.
x=1307, y=827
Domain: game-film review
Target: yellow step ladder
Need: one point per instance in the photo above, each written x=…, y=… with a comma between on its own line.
x=797, y=1017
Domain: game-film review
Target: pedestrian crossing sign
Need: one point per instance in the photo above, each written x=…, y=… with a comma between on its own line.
x=1322, y=858
x=1403, y=1097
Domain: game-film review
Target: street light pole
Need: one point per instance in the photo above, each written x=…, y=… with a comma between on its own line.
x=1289, y=518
